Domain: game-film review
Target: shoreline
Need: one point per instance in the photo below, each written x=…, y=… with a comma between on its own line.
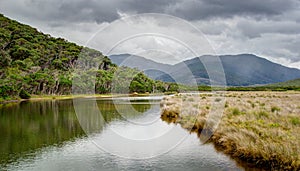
x=259, y=128
x=65, y=97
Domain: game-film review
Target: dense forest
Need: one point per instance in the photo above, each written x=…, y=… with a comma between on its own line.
x=35, y=63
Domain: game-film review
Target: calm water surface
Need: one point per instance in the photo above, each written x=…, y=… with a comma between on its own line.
x=101, y=134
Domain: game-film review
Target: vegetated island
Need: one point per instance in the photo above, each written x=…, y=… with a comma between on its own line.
x=259, y=127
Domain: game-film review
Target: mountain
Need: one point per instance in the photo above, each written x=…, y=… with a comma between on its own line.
x=239, y=70
x=151, y=68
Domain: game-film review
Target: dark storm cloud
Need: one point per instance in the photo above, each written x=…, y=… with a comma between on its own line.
x=253, y=29
x=107, y=10
x=195, y=10
x=83, y=10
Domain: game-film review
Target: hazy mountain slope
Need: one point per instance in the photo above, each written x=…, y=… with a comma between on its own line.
x=240, y=70
x=252, y=69
x=151, y=68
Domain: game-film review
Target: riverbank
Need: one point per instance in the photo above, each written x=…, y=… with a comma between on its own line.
x=64, y=97
x=261, y=128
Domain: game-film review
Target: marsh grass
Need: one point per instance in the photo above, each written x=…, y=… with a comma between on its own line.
x=226, y=104
x=236, y=111
x=295, y=121
x=275, y=109
x=266, y=135
x=218, y=99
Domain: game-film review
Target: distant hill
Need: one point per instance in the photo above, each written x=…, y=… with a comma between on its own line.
x=151, y=68
x=290, y=83
x=240, y=70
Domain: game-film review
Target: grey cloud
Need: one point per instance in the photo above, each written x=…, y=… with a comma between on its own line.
x=75, y=10
x=195, y=10
x=107, y=11
x=253, y=28
x=82, y=10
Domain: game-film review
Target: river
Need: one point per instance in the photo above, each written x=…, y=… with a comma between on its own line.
x=100, y=134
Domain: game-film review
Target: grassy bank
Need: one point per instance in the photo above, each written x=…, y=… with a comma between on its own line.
x=63, y=97
x=262, y=128
x=52, y=97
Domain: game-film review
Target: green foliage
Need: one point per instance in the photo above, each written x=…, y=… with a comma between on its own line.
x=37, y=63
x=173, y=87
x=141, y=83
x=262, y=114
x=291, y=83
x=24, y=94
x=295, y=121
x=160, y=86
x=236, y=111
x=5, y=59
x=128, y=80
x=274, y=125
x=275, y=109
x=226, y=104
x=6, y=91
x=265, y=88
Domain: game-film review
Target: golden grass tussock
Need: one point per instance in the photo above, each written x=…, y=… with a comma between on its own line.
x=262, y=128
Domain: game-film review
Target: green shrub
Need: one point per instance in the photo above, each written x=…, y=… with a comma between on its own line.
x=275, y=109
x=191, y=99
x=295, y=121
x=226, y=104
x=262, y=104
x=236, y=111
x=218, y=99
x=24, y=94
x=263, y=114
x=274, y=125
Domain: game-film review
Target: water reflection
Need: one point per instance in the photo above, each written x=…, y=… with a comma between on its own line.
x=32, y=125
x=203, y=136
x=47, y=135
x=27, y=126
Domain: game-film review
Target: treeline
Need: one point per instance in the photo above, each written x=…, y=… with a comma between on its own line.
x=35, y=63
x=265, y=88
x=187, y=88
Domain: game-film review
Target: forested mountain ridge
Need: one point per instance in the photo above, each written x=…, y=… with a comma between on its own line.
x=35, y=63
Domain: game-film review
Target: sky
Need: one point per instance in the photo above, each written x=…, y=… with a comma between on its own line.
x=268, y=28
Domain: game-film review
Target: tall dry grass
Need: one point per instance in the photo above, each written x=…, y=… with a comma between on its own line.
x=258, y=127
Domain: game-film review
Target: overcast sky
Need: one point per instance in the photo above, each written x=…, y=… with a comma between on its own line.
x=267, y=28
